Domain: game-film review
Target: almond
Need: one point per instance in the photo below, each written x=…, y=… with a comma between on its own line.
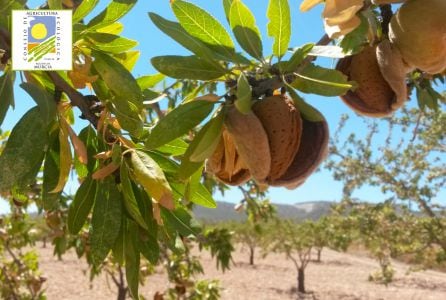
x=251, y=142
x=312, y=151
x=283, y=126
x=374, y=96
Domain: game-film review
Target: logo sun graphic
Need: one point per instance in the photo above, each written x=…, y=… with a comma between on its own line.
x=39, y=31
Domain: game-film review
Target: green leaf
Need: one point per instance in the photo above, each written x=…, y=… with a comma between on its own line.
x=118, y=248
x=244, y=95
x=296, y=59
x=128, y=59
x=197, y=192
x=307, y=111
x=113, y=12
x=115, y=28
x=89, y=138
x=148, y=173
x=129, y=198
x=23, y=154
x=84, y=9
x=43, y=99
x=65, y=157
x=181, y=36
x=321, y=81
x=178, y=122
x=81, y=206
x=208, y=139
x=425, y=99
x=51, y=171
x=169, y=166
x=6, y=94
x=243, y=24
x=354, y=41
x=127, y=100
x=279, y=26
x=204, y=26
x=118, y=79
x=110, y=43
x=106, y=219
x=148, y=241
x=182, y=221
x=175, y=147
x=55, y=4
x=132, y=259
x=149, y=81
x=227, y=7
x=187, y=67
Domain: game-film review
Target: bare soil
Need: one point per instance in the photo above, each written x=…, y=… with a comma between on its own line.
x=339, y=276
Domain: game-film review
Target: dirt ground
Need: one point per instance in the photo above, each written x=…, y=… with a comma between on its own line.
x=338, y=276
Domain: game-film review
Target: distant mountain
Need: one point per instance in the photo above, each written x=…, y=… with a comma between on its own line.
x=300, y=211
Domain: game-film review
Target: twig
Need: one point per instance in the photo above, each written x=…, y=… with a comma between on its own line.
x=77, y=99
x=265, y=86
x=5, y=44
x=386, y=14
x=415, y=130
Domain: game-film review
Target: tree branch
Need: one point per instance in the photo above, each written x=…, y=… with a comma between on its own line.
x=386, y=14
x=5, y=45
x=76, y=98
x=265, y=86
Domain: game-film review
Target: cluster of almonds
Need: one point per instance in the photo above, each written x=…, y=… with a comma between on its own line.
x=274, y=144
x=417, y=40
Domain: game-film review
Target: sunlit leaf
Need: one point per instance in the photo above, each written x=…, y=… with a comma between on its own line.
x=178, y=122
x=205, y=142
x=65, y=156
x=204, y=26
x=181, y=36
x=129, y=198
x=321, y=81
x=113, y=12
x=187, y=67
x=148, y=173
x=197, y=192
x=296, y=59
x=109, y=42
x=227, y=7
x=244, y=95
x=243, y=24
x=175, y=147
x=84, y=9
x=149, y=81
x=127, y=100
x=279, y=26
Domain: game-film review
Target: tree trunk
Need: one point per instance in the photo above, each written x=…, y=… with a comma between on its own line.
x=319, y=251
x=44, y=242
x=251, y=255
x=301, y=280
x=122, y=293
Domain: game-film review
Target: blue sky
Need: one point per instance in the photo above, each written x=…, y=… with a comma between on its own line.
x=307, y=27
